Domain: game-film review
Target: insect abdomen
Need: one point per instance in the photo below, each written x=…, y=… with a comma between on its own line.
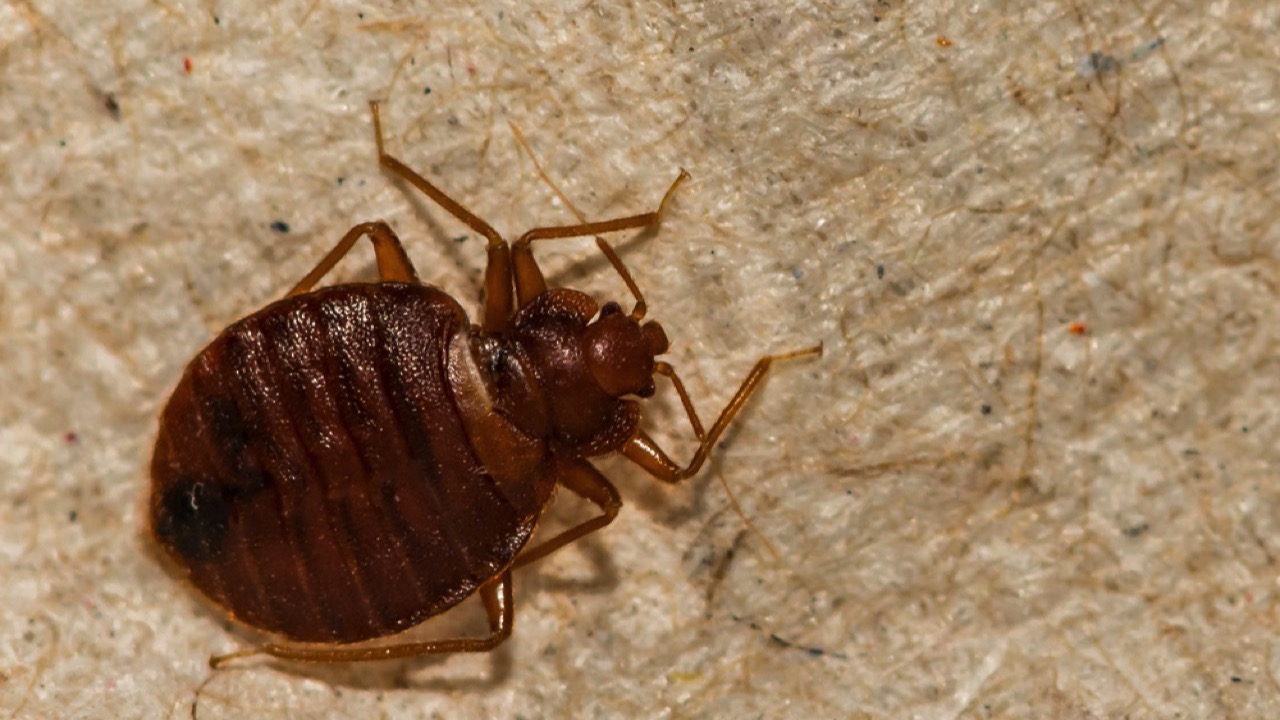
x=313, y=476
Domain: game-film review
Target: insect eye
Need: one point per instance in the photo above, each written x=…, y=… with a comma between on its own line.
x=610, y=308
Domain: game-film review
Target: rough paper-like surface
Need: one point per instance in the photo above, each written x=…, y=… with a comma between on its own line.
x=1034, y=474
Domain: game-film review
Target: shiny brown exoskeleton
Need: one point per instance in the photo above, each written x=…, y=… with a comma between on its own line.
x=350, y=461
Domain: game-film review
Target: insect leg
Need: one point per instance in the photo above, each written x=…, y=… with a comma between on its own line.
x=498, y=605
x=583, y=480
x=393, y=264
x=640, y=308
x=529, y=280
x=643, y=451
x=497, y=279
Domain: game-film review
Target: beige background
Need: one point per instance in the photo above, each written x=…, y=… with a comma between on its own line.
x=1033, y=476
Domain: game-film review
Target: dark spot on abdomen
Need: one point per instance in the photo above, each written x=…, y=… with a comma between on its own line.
x=228, y=432
x=225, y=423
x=193, y=519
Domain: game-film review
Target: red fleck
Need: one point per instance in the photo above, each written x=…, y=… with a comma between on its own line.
x=71, y=436
x=944, y=41
x=1077, y=328
x=471, y=68
x=186, y=64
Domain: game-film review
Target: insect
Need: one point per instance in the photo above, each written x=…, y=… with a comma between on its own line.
x=351, y=460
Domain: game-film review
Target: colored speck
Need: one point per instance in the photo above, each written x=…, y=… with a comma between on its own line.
x=1147, y=49
x=70, y=436
x=1236, y=679
x=187, y=64
x=797, y=273
x=944, y=41
x=809, y=650
x=73, y=516
x=341, y=180
x=426, y=90
x=460, y=239
x=1078, y=328
x=1097, y=63
x=880, y=272
x=280, y=226
x=986, y=409
x=1136, y=530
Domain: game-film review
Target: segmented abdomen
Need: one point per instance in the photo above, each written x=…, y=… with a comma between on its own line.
x=314, y=478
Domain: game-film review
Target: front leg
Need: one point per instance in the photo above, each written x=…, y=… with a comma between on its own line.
x=643, y=451
x=528, y=277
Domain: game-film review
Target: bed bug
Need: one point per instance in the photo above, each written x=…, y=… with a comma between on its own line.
x=352, y=460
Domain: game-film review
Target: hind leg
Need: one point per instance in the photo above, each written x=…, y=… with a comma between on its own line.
x=498, y=605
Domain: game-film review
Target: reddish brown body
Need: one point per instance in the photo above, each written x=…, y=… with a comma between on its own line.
x=350, y=461
x=315, y=473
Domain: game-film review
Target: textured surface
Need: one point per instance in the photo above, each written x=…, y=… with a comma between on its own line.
x=1033, y=475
